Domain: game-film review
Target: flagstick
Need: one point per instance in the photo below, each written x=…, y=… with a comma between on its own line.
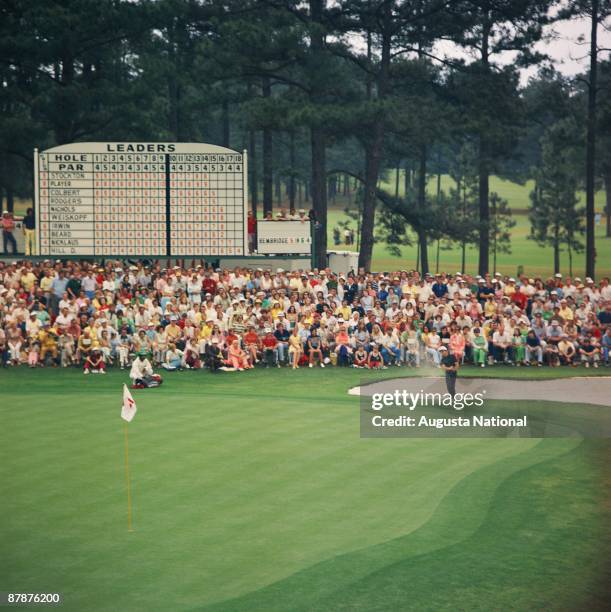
x=129, y=490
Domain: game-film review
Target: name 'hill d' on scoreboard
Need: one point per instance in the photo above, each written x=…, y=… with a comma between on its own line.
x=141, y=199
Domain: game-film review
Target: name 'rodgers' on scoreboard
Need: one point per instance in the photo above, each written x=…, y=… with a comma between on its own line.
x=141, y=199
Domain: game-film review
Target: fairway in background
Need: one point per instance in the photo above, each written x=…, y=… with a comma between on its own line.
x=535, y=260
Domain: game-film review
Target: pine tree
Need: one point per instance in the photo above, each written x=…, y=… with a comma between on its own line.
x=554, y=216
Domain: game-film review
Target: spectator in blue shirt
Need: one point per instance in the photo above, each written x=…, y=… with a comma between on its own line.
x=383, y=293
x=58, y=288
x=604, y=316
x=605, y=344
x=439, y=288
x=282, y=335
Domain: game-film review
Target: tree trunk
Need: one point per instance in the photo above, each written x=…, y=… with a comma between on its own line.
x=252, y=167
x=319, y=196
x=556, y=250
x=463, y=259
x=374, y=148
x=438, y=239
x=373, y=156
x=278, y=189
x=494, y=228
x=397, y=176
x=292, y=171
x=607, y=179
x=318, y=141
x=484, y=164
x=268, y=156
x=332, y=182
x=424, y=256
x=63, y=125
x=484, y=210
x=591, y=146
x=10, y=199
x=226, y=127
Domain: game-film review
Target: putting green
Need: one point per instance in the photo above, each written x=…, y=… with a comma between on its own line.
x=254, y=491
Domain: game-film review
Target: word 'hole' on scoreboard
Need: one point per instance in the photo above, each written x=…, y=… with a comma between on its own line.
x=141, y=199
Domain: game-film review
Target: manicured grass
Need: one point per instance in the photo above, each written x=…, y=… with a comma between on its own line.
x=254, y=491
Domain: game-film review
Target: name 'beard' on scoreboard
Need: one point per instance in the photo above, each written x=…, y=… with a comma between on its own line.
x=141, y=200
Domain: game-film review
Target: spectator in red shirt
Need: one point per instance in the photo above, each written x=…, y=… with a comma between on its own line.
x=230, y=338
x=209, y=284
x=520, y=299
x=251, y=344
x=270, y=350
x=8, y=226
x=252, y=230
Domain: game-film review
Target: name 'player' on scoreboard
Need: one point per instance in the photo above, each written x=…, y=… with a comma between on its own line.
x=141, y=199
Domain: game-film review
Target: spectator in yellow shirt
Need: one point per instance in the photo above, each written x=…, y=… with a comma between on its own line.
x=510, y=287
x=565, y=312
x=27, y=279
x=343, y=311
x=172, y=330
x=47, y=337
x=46, y=282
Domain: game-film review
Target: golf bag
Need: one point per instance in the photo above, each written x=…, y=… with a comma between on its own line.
x=148, y=382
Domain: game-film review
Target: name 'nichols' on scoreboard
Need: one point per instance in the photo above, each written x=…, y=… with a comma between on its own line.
x=141, y=199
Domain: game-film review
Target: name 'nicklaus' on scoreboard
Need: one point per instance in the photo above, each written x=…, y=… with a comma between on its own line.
x=141, y=199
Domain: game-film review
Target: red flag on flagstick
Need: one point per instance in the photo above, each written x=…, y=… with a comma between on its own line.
x=128, y=410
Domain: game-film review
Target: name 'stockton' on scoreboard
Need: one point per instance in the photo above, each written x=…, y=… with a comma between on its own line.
x=141, y=199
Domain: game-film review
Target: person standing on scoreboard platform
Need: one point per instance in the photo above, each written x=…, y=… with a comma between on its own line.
x=252, y=231
x=8, y=227
x=29, y=230
x=449, y=364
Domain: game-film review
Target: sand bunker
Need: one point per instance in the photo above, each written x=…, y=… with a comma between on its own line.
x=582, y=390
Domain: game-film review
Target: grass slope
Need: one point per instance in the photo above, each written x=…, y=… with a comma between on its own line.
x=255, y=491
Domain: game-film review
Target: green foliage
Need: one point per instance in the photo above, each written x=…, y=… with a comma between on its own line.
x=361, y=74
x=554, y=215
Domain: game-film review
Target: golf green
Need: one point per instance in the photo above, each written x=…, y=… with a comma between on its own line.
x=254, y=491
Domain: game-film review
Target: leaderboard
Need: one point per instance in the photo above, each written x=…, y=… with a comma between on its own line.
x=141, y=199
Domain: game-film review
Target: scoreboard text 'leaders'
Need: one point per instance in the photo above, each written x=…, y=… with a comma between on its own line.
x=141, y=199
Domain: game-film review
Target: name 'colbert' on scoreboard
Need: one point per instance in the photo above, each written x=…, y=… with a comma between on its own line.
x=141, y=199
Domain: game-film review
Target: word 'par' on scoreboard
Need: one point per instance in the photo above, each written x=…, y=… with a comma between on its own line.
x=141, y=199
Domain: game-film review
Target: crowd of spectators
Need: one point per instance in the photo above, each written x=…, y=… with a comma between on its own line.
x=68, y=313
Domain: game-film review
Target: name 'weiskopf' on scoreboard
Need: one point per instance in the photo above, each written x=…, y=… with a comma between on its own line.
x=141, y=199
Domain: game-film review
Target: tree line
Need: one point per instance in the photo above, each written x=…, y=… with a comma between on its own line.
x=330, y=96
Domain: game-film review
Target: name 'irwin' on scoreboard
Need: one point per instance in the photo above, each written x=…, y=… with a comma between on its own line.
x=141, y=199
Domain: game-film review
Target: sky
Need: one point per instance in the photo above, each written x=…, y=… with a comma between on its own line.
x=567, y=54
